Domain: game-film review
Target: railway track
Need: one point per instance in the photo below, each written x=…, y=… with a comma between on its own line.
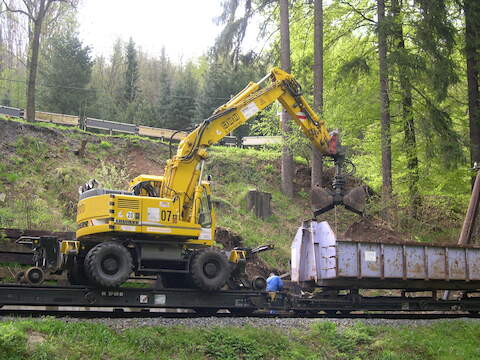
x=127, y=314
x=79, y=301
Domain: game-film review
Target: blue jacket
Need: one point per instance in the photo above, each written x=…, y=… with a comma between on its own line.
x=274, y=283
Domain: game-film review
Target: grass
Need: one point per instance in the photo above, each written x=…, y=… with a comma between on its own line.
x=49, y=338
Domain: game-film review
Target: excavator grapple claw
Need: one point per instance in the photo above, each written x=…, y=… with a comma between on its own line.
x=324, y=200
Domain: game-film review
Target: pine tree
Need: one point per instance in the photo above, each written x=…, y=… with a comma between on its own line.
x=472, y=53
x=131, y=74
x=66, y=76
x=184, y=95
x=287, y=157
x=386, y=142
x=164, y=106
x=317, y=163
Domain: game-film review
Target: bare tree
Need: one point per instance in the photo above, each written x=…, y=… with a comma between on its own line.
x=317, y=166
x=384, y=104
x=36, y=11
x=287, y=158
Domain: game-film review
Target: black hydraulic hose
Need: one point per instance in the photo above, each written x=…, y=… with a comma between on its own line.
x=201, y=131
x=171, y=138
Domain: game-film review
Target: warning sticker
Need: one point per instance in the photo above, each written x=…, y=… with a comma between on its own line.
x=153, y=214
x=370, y=256
x=160, y=299
x=159, y=229
x=128, y=228
x=249, y=110
x=301, y=116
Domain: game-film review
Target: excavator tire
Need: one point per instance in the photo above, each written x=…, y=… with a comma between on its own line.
x=76, y=275
x=108, y=264
x=210, y=270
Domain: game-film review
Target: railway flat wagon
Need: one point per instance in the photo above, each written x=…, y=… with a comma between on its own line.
x=320, y=259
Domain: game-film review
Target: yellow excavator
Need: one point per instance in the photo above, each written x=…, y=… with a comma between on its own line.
x=165, y=225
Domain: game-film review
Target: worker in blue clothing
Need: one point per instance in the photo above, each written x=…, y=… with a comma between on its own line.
x=274, y=283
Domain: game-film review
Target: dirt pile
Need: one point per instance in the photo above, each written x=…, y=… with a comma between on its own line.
x=372, y=231
x=255, y=266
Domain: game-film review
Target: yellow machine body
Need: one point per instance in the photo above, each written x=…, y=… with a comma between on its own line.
x=104, y=216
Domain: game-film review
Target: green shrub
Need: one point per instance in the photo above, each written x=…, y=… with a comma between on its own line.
x=12, y=342
x=105, y=145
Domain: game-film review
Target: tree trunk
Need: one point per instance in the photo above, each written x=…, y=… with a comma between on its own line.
x=259, y=203
x=410, y=142
x=33, y=60
x=472, y=53
x=384, y=105
x=32, y=69
x=317, y=164
x=287, y=158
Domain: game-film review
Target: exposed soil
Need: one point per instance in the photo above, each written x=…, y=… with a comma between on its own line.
x=138, y=163
x=368, y=230
x=255, y=266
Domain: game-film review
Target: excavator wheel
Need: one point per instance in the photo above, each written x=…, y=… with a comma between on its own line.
x=108, y=264
x=76, y=275
x=210, y=270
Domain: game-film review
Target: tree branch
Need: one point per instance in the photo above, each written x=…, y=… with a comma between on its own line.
x=357, y=11
x=18, y=11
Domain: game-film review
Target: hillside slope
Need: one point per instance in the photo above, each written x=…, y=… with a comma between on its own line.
x=41, y=171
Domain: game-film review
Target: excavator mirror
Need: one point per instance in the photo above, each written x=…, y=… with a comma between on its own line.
x=209, y=177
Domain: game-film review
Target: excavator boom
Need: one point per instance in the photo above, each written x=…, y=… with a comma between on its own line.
x=183, y=171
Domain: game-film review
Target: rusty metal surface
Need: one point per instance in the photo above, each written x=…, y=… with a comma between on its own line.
x=22, y=258
x=318, y=256
x=14, y=234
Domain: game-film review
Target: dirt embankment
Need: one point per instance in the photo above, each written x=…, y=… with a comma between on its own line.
x=230, y=240
x=369, y=230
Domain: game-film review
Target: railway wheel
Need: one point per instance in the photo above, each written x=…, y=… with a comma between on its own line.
x=34, y=276
x=259, y=283
x=108, y=264
x=76, y=274
x=210, y=270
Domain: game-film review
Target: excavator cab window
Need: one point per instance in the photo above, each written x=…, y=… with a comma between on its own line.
x=205, y=217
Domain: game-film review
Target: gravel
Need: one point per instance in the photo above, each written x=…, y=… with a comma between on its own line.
x=119, y=324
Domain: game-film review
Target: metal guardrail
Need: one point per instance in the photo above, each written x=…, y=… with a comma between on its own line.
x=57, y=118
x=161, y=133
x=10, y=111
x=114, y=126
x=261, y=140
x=111, y=126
